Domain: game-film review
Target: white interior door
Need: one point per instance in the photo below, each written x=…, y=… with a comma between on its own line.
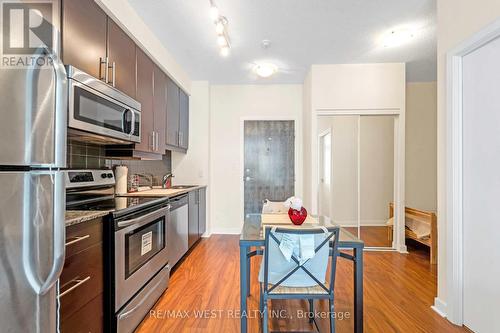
x=481, y=188
x=325, y=166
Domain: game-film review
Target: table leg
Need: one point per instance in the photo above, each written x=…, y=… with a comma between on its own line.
x=243, y=287
x=249, y=263
x=358, y=290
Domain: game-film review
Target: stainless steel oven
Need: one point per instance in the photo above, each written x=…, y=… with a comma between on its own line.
x=101, y=110
x=140, y=250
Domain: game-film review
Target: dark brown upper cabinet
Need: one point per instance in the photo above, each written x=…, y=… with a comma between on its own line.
x=177, y=131
x=84, y=35
x=173, y=104
x=160, y=109
x=121, y=59
x=144, y=95
x=184, y=120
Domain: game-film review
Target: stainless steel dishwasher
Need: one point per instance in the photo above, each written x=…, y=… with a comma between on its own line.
x=177, y=229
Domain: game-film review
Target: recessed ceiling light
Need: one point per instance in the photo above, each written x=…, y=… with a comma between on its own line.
x=265, y=69
x=397, y=37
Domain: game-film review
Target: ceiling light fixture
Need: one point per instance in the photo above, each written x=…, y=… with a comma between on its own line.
x=214, y=12
x=221, y=41
x=265, y=70
x=221, y=23
x=397, y=37
x=224, y=51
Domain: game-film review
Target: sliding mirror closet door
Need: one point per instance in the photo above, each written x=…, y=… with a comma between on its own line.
x=376, y=179
x=356, y=175
x=338, y=165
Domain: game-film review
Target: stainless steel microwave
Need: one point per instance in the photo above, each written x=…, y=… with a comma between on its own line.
x=101, y=110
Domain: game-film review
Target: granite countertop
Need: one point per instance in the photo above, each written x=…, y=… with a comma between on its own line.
x=162, y=192
x=78, y=216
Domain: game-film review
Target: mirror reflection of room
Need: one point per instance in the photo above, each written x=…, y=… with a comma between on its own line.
x=356, y=174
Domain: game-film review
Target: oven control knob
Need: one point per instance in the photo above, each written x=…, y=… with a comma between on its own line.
x=103, y=175
x=110, y=175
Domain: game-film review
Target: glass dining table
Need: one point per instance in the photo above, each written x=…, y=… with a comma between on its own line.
x=252, y=242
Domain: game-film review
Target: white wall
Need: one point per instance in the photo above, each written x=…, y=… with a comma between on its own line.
x=421, y=145
x=229, y=105
x=128, y=19
x=457, y=20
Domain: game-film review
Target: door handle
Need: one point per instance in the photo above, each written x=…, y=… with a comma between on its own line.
x=60, y=104
x=113, y=73
x=153, y=134
x=157, y=141
x=132, y=128
x=78, y=284
x=104, y=61
x=130, y=222
x=59, y=234
x=77, y=240
x=151, y=290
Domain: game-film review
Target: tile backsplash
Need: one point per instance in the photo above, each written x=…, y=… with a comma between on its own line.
x=82, y=155
x=156, y=169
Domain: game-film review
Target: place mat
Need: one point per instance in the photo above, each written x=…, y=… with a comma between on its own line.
x=282, y=220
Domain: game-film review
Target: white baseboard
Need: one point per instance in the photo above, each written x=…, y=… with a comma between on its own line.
x=226, y=231
x=439, y=307
x=364, y=223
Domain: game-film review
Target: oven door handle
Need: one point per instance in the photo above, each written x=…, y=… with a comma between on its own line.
x=142, y=218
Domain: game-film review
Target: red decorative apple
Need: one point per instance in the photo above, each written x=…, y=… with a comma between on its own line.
x=297, y=216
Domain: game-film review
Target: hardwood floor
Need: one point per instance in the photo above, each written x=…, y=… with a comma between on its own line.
x=375, y=236
x=399, y=290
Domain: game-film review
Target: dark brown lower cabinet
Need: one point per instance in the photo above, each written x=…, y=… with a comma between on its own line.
x=88, y=319
x=197, y=215
x=81, y=281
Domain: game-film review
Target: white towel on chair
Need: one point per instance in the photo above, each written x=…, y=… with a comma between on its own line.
x=300, y=245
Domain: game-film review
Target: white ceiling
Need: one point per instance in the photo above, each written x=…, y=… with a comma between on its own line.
x=302, y=32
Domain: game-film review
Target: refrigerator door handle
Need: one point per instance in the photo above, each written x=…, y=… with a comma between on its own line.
x=58, y=248
x=61, y=109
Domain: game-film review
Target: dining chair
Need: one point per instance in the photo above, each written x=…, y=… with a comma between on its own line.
x=299, y=279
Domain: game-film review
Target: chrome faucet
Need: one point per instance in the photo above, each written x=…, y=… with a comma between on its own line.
x=165, y=180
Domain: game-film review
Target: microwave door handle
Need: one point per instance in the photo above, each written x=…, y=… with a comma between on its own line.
x=132, y=127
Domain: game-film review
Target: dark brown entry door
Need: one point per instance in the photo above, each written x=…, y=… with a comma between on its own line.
x=269, y=162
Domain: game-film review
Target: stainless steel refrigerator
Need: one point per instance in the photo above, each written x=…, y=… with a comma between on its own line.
x=33, y=125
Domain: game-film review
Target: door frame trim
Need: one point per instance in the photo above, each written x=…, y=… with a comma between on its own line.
x=297, y=155
x=454, y=170
x=321, y=134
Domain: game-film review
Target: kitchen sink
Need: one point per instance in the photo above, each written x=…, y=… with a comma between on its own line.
x=182, y=187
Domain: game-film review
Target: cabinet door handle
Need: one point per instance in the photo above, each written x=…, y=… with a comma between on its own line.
x=150, y=141
x=154, y=141
x=103, y=61
x=77, y=240
x=157, y=141
x=178, y=138
x=78, y=284
x=113, y=73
